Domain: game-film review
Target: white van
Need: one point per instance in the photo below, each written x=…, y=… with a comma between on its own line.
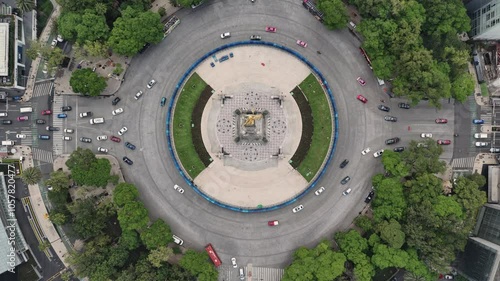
x=99, y=120
x=8, y=142
x=26, y=109
x=481, y=136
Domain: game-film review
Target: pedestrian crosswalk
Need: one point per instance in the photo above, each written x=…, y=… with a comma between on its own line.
x=463, y=163
x=43, y=88
x=42, y=155
x=227, y=273
x=29, y=138
x=57, y=136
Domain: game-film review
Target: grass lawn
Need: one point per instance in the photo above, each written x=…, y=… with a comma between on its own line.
x=322, y=133
x=44, y=9
x=182, y=123
x=484, y=89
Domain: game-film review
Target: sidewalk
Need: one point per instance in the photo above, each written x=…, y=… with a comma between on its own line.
x=480, y=100
x=482, y=159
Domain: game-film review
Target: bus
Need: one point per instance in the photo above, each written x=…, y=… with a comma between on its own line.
x=363, y=52
x=213, y=255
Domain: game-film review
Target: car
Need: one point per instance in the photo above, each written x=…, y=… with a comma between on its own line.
x=102, y=149
x=448, y=277
x=85, y=114
x=392, y=141
x=478, y=121
x=481, y=144
x=178, y=189
x=144, y=48
x=177, y=240
x=319, y=191
x=365, y=151
x=302, y=43
x=361, y=81
x=399, y=149
x=53, y=44
x=441, y=121
x=122, y=131
x=495, y=150
x=426, y=135
x=361, y=98
x=273, y=223
x=51, y=128
x=117, y=111
x=40, y=121
x=116, y=101
x=298, y=208
x=23, y=118
x=20, y=136
x=344, y=163
x=163, y=101
x=271, y=29
x=369, y=198
x=384, y=108
x=46, y=112
x=115, y=139
x=255, y=37
x=127, y=160
x=378, y=153
x=85, y=139
x=444, y=142
x=102, y=138
x=129, y=145
x=62, y=115
x=225, y=35
x=403, y=105
x=69, y=131
x=347, y=191
x=59, y=38
x=345, y=180
x=66, y=138
x=233, y=262
x=151, y=83
x=390, y=118
x=66, y=108
x=212, y=64
x=7, y=122
x=44, y=137
x=138, y=95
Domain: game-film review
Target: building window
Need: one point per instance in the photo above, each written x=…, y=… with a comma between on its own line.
x=488, y=8
x=492, y=14
x=488, y=16
x=492, y=23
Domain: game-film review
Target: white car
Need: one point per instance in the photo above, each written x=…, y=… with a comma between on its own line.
x=365, y=151
x=122, y=131
x=177, y=240
x=426, y=135
x=69, y=131
x=102, y=149
x=59, y=38
x=117, y=111
x=20, y=136
x=225, y=35
x=54, y=43
x=233, y=262
x=378, y=153
x=346, y=192
x=298, y=208
x=102, y=138
x=85, y=114
x=151, y=84
x=138, y=95
x=178, y=188
x=494, y=150
x=320, y=190
x=481, y=144
x=66, y=138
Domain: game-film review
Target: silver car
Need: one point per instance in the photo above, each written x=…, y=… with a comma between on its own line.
x=298, y=208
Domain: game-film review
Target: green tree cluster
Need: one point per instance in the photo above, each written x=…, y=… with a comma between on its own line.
x=199, y=265
x=87, y=82
x=86, y=169
x=31, y=175
x=335, y=13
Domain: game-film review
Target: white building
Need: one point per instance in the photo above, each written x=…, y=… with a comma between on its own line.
x=485, y=19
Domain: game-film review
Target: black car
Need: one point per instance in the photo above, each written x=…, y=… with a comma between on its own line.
x=129, y=145
x=144, y=48
x=390, y=118
x=392, y=141
x=40, y=121
x=404, y=105
x=384, y=108
x=344, y=163
x=84, y=139
x=127, y=160
x=50, y=128
x=66, y=108
x=255, y=37
x=369, y=198
x=116, y=101
x=345, y=180
x=7, y=122
x=399, y=149
x=44, y=137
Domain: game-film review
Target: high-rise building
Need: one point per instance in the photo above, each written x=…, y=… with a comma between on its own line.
x=485, y=19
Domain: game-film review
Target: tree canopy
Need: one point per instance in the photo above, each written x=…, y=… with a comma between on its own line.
x=156, y=235
x=335, y=13
x=87, y=82
x=198, y=264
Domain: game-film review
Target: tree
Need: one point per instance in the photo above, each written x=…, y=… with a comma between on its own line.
x=157, y=256
x=25, y=5
x=444, y=17
x=462, y=87
x=351, y=242
x=87, y=82
x=384, y=257
x=92, y=28
x=133, y=216
x=423, y=159
x=57, y=218
x=130, y=239
x=81, y=158
x=335, y=13
x=97, y=175
x=31, y=176
x=87, y=221
x=34, y=50
x=124, y=193
x=187, y=3
x=197, y=263
x=363, y=222
x=390, y=202
x=58, y=181
x=44, y=246
x=156, y=235
x=67, y=24
x=134, y=29
x=393, y=164
x=96, y=49
x=391, y=233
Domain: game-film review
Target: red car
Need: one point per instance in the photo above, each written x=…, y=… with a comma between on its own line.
x=301, y=43
x=361, y=81
x=115, y=139
x=271, y=29
x=441, y=121
x=362, y=99
x=444, y=142
x=273, y=223
x=46, y=112
x=22, y=118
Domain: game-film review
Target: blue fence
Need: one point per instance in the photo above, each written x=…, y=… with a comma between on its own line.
x=186, y=76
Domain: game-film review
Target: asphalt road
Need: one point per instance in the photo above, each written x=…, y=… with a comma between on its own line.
x=247, y=236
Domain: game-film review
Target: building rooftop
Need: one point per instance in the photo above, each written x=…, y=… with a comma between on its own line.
x=4, y=49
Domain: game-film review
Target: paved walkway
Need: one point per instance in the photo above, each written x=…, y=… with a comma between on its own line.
x=480, y=100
